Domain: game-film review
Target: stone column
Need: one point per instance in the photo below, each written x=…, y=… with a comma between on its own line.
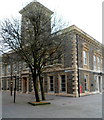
x=59, y=82
x=101, y=89
x=19, y=84
x=6, y=84
x=1, y=83
x=66, y=82
x=32, y=85
x=56, y=83
x=48, y=84
x=74, y=65
x=22, y=85
x=27, y=85
x=45, y=83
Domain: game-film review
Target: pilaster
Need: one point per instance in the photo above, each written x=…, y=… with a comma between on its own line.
x=32, y=85
x=74, y=65
x=27, y=85
x=22, y=84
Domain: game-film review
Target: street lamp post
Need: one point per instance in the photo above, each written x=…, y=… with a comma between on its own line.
x=11, y=89
x=14, y=87
x=15, y=90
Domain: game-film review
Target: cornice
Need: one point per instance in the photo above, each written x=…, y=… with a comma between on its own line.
x=89, y=70
x=78, y=31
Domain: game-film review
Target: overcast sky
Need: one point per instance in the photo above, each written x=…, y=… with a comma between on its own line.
x=85, y=14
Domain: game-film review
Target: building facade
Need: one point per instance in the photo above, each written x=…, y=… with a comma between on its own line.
x=79, y=72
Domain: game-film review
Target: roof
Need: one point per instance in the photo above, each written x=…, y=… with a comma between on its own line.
x=75, y=28
x=32, y=4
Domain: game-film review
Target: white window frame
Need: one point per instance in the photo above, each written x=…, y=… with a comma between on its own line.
x=61, y=84
x=96, y=83
x=95, y=62
x=8, y=68
x=85, y=57
x=86, y=82
x=53, y=84
x=3, y=70
x=99, y=63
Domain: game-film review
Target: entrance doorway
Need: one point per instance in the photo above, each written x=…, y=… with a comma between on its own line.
x=86, y=82
x=24, y=84
x=98, y=83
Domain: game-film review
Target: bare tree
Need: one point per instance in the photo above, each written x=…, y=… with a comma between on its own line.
x=34, y=42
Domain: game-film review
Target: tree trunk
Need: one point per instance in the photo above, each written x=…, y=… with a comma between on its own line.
x=41, y=87
x=35, y=83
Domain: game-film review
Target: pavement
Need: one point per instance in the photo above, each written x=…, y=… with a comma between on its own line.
x=61, y=107
x=0, y=105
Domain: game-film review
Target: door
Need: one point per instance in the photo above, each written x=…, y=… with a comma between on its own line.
x=96, y=83
x=100, y=83
x=86, y=81
x=24, y=85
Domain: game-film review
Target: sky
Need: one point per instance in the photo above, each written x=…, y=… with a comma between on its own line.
x=85, y=14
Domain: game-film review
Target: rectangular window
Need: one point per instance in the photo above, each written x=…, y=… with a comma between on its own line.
x=14, y=67
x=99, y=63
x=24, y=65
x=3, y=70
x=63, y=83
x=96, y=82
x=85, y=58
x=95, y=62
x=86, y=83
x=51, y=83
x=59, y=55
x=20, y=65
x=8, y=68
x=3, y=85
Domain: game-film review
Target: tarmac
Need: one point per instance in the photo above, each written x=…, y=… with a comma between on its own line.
x=61, y=107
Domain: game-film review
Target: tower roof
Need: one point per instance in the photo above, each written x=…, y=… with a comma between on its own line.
x=35, y=1
x=32, y=5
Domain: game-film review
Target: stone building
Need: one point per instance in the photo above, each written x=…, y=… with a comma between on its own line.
x=80, y=71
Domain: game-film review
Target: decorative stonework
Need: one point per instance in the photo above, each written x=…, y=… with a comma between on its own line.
x=74, y=65
x=55, y=67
